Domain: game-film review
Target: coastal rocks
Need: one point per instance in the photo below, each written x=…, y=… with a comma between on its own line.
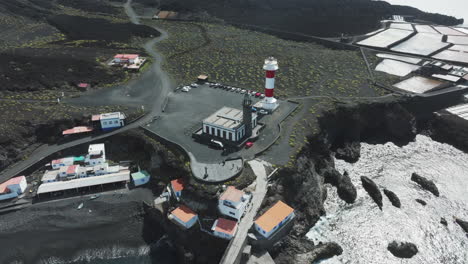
x=425, y=183
x=373, y=191
x=320, y=252
x=350, y=152
x=402, y=249
x=443, y=221
x=422, y=202
x=462, y=224
x=346, y=189
x=393, y=198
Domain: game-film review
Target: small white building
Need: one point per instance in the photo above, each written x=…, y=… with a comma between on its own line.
x=233, y=202
x=62, y=162
x=13, y=187
x=177, y=186
x=127, y=58
x=112, y=120
x=224, y=228
x=273, y=219
x=227, y=123
x=49, y=176
x=140, y=178
x=96, y=154
x=101, y=169
x=184, y=216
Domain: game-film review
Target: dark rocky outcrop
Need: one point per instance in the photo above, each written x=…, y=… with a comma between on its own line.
x=421, y=202
x=393, y=198
x=346, y=189
x=320, y=252
x=425, y=183
x=443, y=221
x=402, y=249
x=350, y=152
x=462, y=224
x=373, y=191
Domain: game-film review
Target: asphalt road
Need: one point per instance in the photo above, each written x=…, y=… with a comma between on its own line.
x=150, y=90
x=236, y=245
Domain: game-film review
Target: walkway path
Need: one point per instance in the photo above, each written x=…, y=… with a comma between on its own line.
x=235, y=246
x=150, y=89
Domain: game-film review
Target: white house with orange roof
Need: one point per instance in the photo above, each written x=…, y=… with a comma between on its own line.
x=184, y=216
x=224, y=228
x=273, y=219
x=56, y=164
x=233, y=202
x=126, y=59
x=177, y=186
x=13, y=187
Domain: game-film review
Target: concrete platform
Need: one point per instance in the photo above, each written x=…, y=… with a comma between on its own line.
x=183, y=115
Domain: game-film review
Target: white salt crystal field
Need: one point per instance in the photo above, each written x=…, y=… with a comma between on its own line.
x=404, y=26
x=463, y=40
x=418, y=84
x=451, y=55
x=459, y=48
x=397, y=68
x=449, y=31
x=399, y=58
x=386, y=38
x=426, y=29
x=422, y=44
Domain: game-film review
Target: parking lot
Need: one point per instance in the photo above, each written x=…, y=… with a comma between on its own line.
x=185, y=112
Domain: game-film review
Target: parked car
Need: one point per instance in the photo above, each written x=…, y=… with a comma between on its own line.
x=263, y=112
x=233, y=89
x=185, y=89
x=194, y=85
x=254, y=109
x=249, y=144
x=253, y=93
x=238, y=90
x=262, y=96
x=257, y=94
x=216, y=144
x=242, y=92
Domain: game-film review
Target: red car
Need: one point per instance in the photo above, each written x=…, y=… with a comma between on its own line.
x=249, y=144
x=257, y=94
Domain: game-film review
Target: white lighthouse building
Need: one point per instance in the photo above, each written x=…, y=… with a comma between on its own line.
x=269, y=102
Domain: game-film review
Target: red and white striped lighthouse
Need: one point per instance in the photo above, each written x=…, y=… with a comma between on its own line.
x=270, y=66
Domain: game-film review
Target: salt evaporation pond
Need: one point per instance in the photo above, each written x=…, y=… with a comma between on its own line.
x=364, y=231
x=397, y=68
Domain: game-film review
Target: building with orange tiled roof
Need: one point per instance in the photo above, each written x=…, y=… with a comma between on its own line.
x=275, y=217
x=233, y=202
x=224, y=228
x=177, y=186
x=184, y=216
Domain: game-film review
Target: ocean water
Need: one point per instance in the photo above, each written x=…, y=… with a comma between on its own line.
x=161, y=252
x=364, y=231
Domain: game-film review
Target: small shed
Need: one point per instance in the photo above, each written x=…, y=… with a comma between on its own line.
x=177, y=186
x=202, y=78
x=224, y=228
x=84, y=86
x=140, y=177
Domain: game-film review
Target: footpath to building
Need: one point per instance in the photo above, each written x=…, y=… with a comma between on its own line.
x=233, y=251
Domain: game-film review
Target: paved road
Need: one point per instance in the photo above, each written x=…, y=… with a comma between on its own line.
x=235, y=246
x=151, y=90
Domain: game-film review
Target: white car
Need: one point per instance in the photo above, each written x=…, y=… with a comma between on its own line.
x=194, y=85
x=242, y=92
x=185, y=89
x=263, y=112
x=262, y=96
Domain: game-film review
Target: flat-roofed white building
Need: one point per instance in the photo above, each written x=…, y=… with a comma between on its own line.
x=112, y=120
x=13, y=187
x=62, y=162
x=233, y=202
x=96, y=154
x=49, y=176
x=122, y=176
x=227, y=123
